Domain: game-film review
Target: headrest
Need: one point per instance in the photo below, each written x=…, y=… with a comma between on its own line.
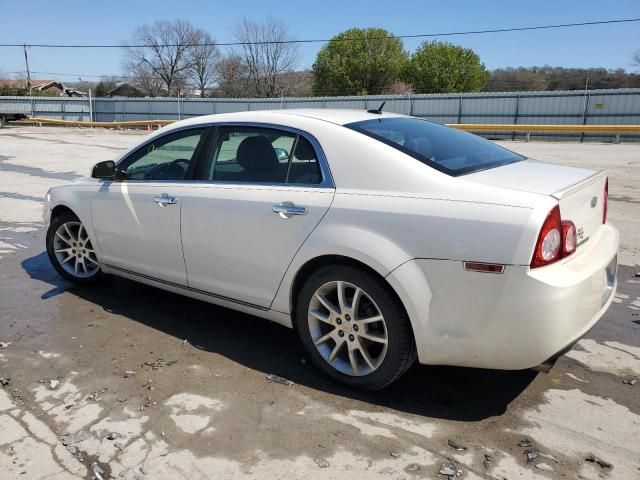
x=257, y=153
x=304, y=150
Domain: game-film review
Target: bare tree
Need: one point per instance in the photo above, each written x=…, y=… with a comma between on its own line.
x=635, y=58
x=204, y=58
x=232, y=76
x=266, y=54
x=163, y=50
x=83, y=85
x=296, y=84
x=145, y=79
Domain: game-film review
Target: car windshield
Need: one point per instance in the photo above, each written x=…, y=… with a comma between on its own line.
x=446, y=149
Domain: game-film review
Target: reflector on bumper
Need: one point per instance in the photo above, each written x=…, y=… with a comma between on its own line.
x=610, y=279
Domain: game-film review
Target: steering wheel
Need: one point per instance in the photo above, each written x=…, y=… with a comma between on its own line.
x=168, y=171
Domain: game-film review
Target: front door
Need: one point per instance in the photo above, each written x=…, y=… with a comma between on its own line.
x=137, y=219
x=261, y=192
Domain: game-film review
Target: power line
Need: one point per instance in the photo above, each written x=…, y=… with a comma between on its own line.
x=352, y=39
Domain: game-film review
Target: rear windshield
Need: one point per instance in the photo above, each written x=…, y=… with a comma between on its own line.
x=451, y=151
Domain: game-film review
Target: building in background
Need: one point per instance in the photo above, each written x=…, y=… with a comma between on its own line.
x=125, y=90
x=45, y=88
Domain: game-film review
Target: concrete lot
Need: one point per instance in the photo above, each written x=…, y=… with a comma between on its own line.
x=199, y=405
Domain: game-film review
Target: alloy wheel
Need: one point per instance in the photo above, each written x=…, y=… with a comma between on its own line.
x=74, y=251
x=347, y=328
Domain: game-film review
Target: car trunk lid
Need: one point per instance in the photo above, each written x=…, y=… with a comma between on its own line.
x=579, y=191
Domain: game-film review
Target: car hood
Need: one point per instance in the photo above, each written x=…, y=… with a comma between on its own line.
x=532, y=176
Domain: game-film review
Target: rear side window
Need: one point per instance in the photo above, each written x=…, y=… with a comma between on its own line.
x=261, y=155
x=446, y=149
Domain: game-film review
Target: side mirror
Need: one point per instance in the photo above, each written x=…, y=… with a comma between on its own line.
x=281, y=153
x=105, y=170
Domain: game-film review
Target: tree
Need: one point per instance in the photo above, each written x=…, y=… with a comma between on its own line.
x=266, y=55
x=441, y=67
x=12, y=87
x=635, y=58
x=513, y=79
x=145, y=79
x=297, y=84
x=105, y=85
x=232, y=77
x=163, y=51
x=83, y=85
x=358, y=62
x=204, y=58
x=559, y=78
x=399, y=88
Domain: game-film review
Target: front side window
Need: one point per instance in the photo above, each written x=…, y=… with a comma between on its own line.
x=166, y=158
x=451, y=151
x=261, y=155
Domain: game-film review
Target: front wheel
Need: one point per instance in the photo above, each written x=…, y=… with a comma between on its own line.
x=354, y=328
x=70, y=249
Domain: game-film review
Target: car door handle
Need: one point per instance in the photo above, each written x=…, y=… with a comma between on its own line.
x=164, y=200
x=288, y=209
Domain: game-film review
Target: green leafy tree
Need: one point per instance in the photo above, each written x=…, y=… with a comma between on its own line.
x=441, y=67
x=358, y=62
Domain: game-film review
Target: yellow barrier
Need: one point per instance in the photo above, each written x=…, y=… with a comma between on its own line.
x=75, y=123
x=470, y=127
x=506, y=127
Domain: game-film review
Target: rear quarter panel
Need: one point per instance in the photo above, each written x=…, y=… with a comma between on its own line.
x=385, y=231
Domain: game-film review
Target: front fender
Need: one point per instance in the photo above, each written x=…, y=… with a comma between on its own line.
x=76, y=198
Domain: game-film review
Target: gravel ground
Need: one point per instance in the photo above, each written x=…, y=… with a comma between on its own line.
x=126, y=381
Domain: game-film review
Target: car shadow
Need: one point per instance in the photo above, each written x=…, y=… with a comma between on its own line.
x=451, y=393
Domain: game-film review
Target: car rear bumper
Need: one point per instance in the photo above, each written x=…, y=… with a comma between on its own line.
x=514, y=320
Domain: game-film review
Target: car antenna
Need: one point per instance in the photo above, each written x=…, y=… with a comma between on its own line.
x=379, y=110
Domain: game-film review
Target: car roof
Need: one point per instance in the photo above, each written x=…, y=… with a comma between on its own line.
x=337, y=115
x=332, y=115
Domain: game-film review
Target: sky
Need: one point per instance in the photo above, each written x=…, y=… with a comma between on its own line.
x=114, y=22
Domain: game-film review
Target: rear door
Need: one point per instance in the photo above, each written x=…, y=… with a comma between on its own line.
x=261, y=192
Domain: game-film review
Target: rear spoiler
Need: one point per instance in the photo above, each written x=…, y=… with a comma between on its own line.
x=560, y=194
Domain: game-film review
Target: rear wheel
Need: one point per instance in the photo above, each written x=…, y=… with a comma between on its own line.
x=70, y=249
x=354, y=328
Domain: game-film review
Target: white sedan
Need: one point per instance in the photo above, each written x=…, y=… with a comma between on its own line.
x=380, y=238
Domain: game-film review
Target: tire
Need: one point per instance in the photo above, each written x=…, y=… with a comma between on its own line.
x=69, y=248
x=381, y=350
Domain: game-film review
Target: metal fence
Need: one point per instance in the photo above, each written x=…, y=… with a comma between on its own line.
x=592, y=107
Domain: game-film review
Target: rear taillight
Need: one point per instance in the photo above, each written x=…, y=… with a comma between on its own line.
x=548, y=247
x=605, y=201
x=557, y=239
x=569, y=238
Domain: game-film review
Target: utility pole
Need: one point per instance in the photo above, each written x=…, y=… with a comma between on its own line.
x=26, y=62
x=585, y=111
